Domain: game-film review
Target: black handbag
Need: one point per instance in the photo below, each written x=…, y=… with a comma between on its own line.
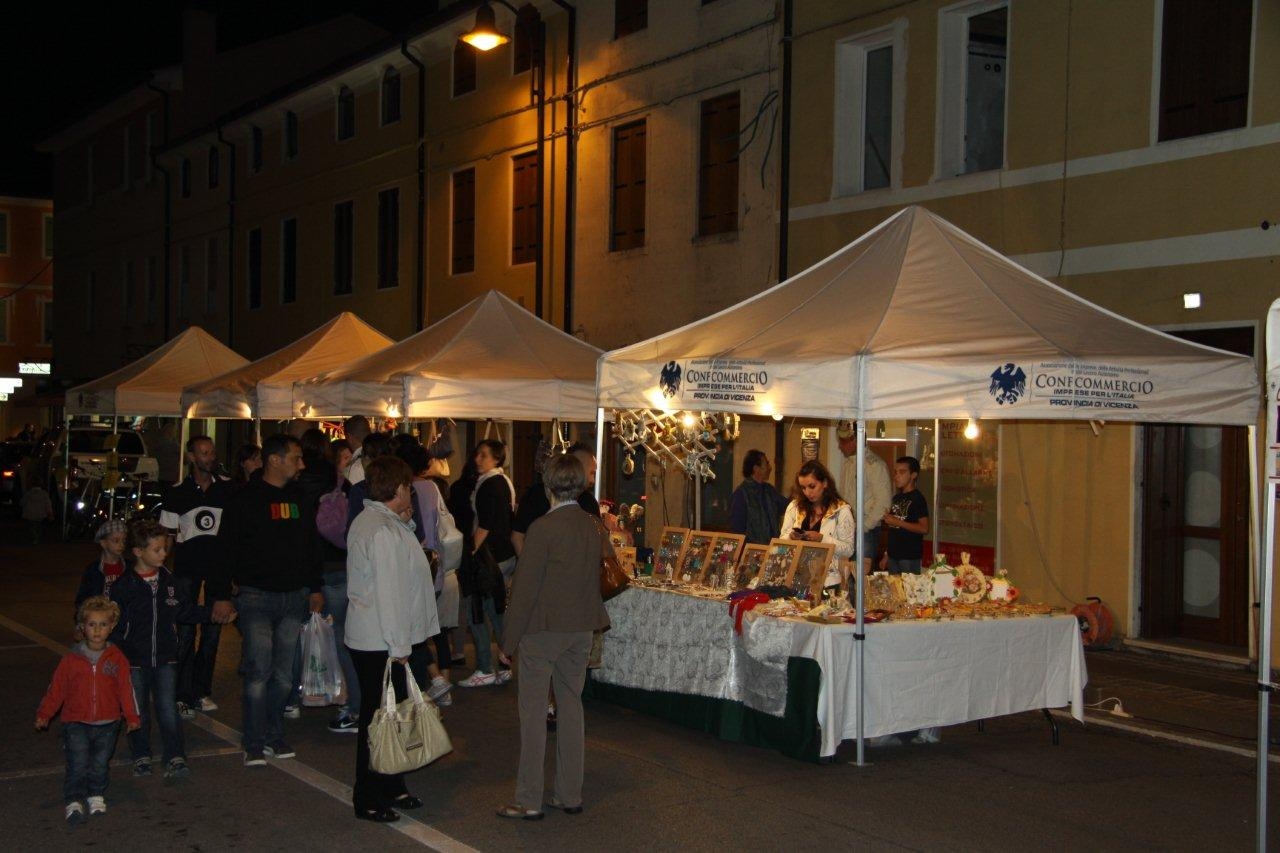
x=482, y=578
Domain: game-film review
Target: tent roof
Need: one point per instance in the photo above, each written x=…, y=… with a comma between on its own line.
x=264, y=388
x=490, y=358
x=918, y=319
x=152, y=385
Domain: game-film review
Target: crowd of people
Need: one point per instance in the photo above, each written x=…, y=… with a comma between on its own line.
x=363, y=531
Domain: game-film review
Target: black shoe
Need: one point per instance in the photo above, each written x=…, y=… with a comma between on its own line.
x=382, y=815
x=407, y=801
x=556, y=804
x=551, y=721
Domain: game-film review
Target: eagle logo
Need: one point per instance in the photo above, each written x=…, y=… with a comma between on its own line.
x=669, y=379
x=1008, y=383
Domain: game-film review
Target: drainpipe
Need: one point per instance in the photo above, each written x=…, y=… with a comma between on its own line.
x=420, y=274
x=168, y=197
x=784, y=153
x=570, y=160
x=231, y=237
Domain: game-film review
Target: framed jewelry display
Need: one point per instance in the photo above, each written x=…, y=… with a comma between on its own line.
x=753, y=557
x=697, y=553
x=778, y=563
x=666, y=558
x=725, y=548
x=811, y=565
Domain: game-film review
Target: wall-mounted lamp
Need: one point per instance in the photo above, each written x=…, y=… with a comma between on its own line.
x=1190, y=301
x=485, y=35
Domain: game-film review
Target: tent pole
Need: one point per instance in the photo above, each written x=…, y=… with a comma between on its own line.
x=257, y=431
x=859, y=634
x=1266, y=565
x=599, y=450
x=111, y=498
x=937, y=470
x=66, y=477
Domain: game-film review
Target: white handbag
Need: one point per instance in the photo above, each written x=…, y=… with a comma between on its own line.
x=406, y=736
x=450, y=540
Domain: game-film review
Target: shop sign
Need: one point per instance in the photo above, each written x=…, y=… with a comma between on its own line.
x=34, y=368
x=703, y=382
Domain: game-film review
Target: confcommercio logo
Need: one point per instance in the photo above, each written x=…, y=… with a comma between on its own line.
x=669, y=379
x=1008, y=384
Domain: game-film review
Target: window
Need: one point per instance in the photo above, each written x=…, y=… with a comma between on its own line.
x=464, y=68
x=90, y=298
x=127, y=293
x=211, y=276
x=48, y=235
x=151, y=143
x=255, y=268
x=718, y=166
x=290, y=136
x=463, y=248
x=150, y=285
x=184, y=178
x=255, y=150
x=1204, y=67
x=974, y=46
x=346, y=113
x=629, y=16
x=627, y=198
x=213, y=167
x=524, y=208
x=528, y=39
x=4, y=233
x=344, y=234
x=388, y=238
x=46, y=323
x=288, y=261
x=184, y=279
x=390, y=96
x=868, y=120
x=126, y=149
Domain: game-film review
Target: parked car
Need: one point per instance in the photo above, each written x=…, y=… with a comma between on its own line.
x=13, y=454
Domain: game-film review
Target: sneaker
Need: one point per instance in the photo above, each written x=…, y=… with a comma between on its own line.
x=142, y=767
x=444, y=701
x=278, y=750
x=177, y=768
x=439, y=687
x=97, y=805
x=504, y=675
x=206, y=705
x=344, y=724
x=292, y=712
x=254, y=758
x=478, y=679
x=75, y=813
x=185, y=711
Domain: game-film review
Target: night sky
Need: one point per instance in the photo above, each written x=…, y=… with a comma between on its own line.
x=65, y=59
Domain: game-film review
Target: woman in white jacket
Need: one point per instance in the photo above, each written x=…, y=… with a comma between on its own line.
x=392, y=612
x=817, y=513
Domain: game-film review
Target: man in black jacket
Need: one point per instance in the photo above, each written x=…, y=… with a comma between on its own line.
x=273, y=556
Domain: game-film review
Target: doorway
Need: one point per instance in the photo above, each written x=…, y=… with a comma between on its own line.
x=1195, y=522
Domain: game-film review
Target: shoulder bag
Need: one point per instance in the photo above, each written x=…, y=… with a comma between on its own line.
x=406, y=736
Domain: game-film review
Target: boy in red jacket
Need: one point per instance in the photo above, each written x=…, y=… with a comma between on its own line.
x=91, y=685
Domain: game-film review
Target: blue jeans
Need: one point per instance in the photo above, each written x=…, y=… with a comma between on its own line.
x=88, y=748
x=270, y=623
x=195, y=665
x=158, y=685
x=870, y=544
x=335, y=604
x=480, y=634
x=903, y=566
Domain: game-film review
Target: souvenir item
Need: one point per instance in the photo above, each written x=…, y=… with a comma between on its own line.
x=883, y=592
x=918, y=589
x=778, y=563
x=666, y=559
x=627, y=558
x=970, y=583
x=748, y=570
x=725, y=548
x=1002, y=589
x=697, y=553
x=810, y=572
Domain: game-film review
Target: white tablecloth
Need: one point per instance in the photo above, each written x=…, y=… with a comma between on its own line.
x=919, y=674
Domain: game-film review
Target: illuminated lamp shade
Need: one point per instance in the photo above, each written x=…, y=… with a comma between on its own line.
x=484, y=35
x=971, y=429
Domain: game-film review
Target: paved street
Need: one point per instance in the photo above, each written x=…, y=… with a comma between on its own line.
x=649, y=784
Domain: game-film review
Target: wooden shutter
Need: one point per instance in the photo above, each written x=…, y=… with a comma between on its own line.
x=718, y=166
x=524, y=208
x=628, y=196
x=464, y=222
x=629, y=16
x=1204, y=66
x=343, y=238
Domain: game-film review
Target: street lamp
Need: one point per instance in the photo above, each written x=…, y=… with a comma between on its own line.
x=485, y=35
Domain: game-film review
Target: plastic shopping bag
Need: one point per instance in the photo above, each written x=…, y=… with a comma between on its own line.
x=322, y=682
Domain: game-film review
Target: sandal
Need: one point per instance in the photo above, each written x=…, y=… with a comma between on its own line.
x=520, y=813
x=377, y=815
x=407, y=801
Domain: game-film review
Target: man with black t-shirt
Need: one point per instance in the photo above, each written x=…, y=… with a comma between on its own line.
x=907, y=520
x=534, y=504
x=273, y=555
x=193, y=513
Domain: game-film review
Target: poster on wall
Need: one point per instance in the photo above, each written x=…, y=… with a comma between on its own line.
x=968, y=473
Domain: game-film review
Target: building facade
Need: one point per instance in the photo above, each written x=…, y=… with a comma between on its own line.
x=26, y=304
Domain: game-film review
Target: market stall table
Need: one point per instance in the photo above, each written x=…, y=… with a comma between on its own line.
x=791, y=684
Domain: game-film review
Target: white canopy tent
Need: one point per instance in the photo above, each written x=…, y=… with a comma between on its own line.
x=491, y=358
x=264, y=388
x=152, y=385
x=917, y=319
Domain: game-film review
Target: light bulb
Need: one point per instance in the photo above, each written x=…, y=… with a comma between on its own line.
x=971, y=429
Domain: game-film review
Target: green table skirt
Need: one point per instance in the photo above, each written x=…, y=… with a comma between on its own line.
x=795, y=733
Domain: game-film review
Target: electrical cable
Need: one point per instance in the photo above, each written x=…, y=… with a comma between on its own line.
x=1031, y=518
x=29, y=281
